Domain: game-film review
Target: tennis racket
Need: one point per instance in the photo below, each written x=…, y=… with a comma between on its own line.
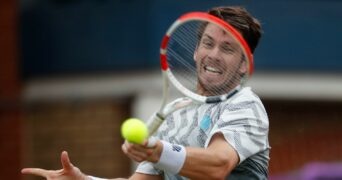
x=205, y=59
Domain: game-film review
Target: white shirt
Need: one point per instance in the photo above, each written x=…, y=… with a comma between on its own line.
x=242, y=120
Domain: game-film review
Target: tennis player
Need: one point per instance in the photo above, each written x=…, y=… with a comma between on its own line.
x=207, y=141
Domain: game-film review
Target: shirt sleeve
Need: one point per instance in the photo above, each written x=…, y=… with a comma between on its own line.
x=147, y=168
x=245, y=126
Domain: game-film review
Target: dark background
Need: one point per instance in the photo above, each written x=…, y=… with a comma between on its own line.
x=76, y=36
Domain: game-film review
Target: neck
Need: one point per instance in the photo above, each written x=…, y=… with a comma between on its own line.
x=204, y=92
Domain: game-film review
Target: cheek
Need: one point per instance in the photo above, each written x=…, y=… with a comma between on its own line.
x=199, y=54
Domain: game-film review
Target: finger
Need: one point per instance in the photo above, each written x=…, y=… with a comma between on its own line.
x=127, y=149
x=130, y=147
x=123, y=148
x=66, y=161
x=35, y=171
x=133, y=156
x=138, y=147
x=137, y=158
x=136, y=151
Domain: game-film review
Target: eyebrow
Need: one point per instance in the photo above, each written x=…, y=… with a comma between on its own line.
x=208, y=36
x=225, y=42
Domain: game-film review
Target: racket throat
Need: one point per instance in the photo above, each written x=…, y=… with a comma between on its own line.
x=153, y=124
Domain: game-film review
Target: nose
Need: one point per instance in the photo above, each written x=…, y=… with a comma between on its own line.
x=214, y=53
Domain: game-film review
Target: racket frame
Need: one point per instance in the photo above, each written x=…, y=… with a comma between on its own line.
x=157, y=118
x=212, y=19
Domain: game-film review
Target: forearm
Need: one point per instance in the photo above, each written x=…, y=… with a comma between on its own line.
x=214, y=162
x=204, y=164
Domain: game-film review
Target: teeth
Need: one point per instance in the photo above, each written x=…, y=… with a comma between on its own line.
x=212, y=69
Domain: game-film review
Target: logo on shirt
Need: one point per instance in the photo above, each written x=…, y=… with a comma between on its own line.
x=205, y=122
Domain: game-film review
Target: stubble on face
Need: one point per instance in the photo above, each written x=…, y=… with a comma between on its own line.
x=218, y=60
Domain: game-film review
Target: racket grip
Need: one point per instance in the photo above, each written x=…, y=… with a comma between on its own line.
x=153, y=124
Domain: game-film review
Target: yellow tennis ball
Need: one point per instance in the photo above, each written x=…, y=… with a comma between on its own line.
x=134, y=131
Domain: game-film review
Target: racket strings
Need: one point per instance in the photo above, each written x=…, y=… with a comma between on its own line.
x=183, y=43
x=182, y=46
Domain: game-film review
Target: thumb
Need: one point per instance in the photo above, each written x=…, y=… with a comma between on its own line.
x=66, y=161
x=151, y=142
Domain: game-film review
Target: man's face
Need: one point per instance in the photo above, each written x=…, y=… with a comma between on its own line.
x=219, y=62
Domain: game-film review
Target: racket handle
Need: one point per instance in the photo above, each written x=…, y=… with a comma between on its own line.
x=153, y=124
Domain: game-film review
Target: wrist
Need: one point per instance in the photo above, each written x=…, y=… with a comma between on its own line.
x=157, y=152
x=172, y=157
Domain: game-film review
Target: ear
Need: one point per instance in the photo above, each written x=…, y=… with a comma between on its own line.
x=243, y=67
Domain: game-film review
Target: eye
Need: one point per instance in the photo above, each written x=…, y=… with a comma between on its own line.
x=226, y=48
x=207, y=43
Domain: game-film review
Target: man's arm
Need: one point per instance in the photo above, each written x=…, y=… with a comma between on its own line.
x=214, y=162
x=70, y=172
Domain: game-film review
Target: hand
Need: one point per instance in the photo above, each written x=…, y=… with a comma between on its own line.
x=69, y=171
x=143, y=152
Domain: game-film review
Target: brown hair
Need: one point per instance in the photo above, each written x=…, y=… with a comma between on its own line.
x=241, y=20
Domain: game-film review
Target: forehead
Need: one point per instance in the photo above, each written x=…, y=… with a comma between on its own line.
x=218, y=33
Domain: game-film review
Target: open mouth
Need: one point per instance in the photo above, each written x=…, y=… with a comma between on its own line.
x=212, y=69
